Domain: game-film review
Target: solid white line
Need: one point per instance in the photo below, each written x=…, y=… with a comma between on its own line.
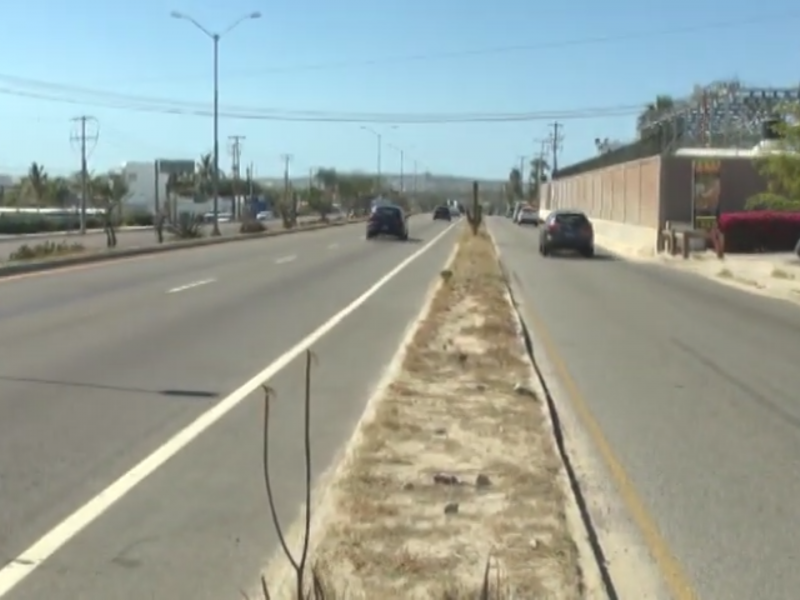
x=26, y=563
x=189, y=286
x=285, y=259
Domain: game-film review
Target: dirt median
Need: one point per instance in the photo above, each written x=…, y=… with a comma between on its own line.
x=455, y=466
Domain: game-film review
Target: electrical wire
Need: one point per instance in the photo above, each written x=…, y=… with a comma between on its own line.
x=518, y=48
x=111, y=99
x=255, y=114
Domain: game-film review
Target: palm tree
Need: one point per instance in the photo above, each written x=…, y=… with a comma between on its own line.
x=661, y=107
x=37, y=183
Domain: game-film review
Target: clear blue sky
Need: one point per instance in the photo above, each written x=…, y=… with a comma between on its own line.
x=135, y=48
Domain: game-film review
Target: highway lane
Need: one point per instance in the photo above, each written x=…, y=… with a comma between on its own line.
x=96, y=240
x=697, y=389
x=92, y=383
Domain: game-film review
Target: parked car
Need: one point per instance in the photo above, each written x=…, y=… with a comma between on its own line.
x=442, y=213
x=387, y=220
x=567, y=230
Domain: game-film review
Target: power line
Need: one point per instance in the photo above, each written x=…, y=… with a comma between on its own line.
x=500, y=50
x=169, y=106
x=340, y=117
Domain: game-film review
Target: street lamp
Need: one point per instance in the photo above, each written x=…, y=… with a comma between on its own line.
x=402, y=166
x=379, y=137
x=215, y=37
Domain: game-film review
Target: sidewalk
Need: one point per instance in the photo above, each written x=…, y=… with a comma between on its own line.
x=776, y=275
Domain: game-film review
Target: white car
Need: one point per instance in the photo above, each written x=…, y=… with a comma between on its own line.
x=265, y=215
x=527, y=216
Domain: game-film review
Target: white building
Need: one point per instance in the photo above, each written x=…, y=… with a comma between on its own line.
x=141, y=179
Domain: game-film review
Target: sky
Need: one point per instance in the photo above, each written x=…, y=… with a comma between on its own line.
x=392, y=59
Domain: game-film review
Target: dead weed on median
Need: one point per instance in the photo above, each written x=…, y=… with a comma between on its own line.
x=457, y=465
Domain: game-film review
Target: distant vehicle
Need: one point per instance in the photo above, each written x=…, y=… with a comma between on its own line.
x=528, y=216
x=265, y=215
x=567, y=230
x=222, y=217
x=387, y=220
x=442, y=213
x=518, y=206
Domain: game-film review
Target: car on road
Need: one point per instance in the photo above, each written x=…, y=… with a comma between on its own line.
x=567, y=230
x=528, y=216
x=265, y=215
x=388, y=220
x=442, y=213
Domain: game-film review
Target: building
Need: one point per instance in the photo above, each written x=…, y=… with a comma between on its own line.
x=142, y=187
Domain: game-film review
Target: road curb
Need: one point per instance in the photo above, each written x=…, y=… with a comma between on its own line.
x=21, y=268
x=594, y=573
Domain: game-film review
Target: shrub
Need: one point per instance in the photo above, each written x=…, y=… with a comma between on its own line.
x=21, y=223
x=252, y=226
x=188, y=226
x=760, y=231
x=773, y=202
x=138, y=219
x=44, y=250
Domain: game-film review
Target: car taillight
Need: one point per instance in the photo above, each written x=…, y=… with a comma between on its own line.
x=552, y=227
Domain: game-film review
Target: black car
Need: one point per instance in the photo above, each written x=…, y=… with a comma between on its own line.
x=567, y=230
x=387, y=220
x=442, y=213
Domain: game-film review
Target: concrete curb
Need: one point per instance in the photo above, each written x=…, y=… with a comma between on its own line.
x=595, y=578
x=20, y=268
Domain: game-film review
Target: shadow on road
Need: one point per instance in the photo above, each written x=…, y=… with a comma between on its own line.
x=176, y=393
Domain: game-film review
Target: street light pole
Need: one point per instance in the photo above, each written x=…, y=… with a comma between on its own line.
x=215, y=37
x=379, y=136
x=215, y=176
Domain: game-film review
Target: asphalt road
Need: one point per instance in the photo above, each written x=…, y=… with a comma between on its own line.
x=100, y=366
x=697, y=388
x=96, y=240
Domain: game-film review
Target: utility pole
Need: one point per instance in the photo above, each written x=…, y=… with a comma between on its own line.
x=250, y=182
x=287, y=159
x=84, y=138
x=522, y=175
x=556, y=137
x=235, y=150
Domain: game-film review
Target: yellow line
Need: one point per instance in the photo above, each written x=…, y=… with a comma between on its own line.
x=676, y=580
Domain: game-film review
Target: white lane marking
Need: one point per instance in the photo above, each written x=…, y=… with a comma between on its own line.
x=285, y=259
x=189, y=286
x=26, y=563
x=333, y=246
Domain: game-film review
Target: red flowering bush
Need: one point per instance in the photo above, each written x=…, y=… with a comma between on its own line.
x=760, y=231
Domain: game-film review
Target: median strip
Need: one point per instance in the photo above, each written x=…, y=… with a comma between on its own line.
x=61, y=255
x=452, y=486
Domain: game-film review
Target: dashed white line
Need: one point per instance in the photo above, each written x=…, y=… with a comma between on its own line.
x=285, y=259
x=17, y=569
x=189, y=286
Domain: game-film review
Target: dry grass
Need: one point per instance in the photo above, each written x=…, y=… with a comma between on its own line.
x=458, y=464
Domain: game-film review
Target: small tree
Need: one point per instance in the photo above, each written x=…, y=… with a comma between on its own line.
x=781, y=168
x=320, y=202
x=109, y=192
x=515, y=183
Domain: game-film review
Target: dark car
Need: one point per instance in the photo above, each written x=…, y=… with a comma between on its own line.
x=443, y=213
x=567, y=230
x=387, y=220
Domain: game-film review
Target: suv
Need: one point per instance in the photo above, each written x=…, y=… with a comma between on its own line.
x=387, y=220
x=443, y=213
x=567, y=230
